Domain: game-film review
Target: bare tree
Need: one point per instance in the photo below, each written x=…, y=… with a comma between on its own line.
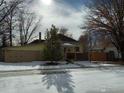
x=7, y=7
x=28, y=24
x=6, y=16
x=108, y=16
x=11, y=23
x=84, y=41
x=64, y=31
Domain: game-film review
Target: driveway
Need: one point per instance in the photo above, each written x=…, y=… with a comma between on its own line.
x=88, y=80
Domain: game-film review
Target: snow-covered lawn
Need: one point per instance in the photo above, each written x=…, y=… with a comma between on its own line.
x=75, y=81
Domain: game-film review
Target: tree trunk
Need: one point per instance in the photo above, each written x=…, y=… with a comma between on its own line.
x=122, y=51
x=122, y=55
x=10, y=25
x=10, y=37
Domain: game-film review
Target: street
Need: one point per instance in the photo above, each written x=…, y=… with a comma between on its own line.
x=89, y=80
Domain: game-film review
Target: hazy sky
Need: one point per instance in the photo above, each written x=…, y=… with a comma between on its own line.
x=62, y=13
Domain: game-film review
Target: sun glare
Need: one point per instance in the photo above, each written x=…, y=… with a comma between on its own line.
x=47, y=2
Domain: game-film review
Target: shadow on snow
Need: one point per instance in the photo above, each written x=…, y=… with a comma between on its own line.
x=62, y=81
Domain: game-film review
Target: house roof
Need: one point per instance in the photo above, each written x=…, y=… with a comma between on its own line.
x=37, y=41
x=63, y=38
x=66, y=38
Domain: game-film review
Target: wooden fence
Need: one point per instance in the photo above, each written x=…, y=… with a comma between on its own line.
x=1, y=55
x=98, y=56
x=22, y=56
x=77, y=56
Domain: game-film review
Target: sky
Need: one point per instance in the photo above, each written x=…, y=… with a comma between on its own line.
x=70, y=14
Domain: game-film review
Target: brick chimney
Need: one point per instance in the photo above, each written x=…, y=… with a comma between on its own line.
x=40, y=37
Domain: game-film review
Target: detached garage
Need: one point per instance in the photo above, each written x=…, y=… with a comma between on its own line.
x=26, y=53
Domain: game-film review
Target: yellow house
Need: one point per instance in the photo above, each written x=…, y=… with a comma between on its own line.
x=34, y=51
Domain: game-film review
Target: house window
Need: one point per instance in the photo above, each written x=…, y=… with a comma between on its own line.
x=77, y=49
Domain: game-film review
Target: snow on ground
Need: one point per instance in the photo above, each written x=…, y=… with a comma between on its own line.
x=77, y=81
x=32, y=65
x=98, y=64
x=19, y=66
x=40, y=65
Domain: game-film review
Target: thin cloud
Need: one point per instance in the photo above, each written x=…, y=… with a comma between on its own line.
x=60, y=14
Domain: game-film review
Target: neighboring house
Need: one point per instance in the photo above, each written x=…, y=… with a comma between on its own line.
x=70, y=47
x=105, y=46
x=34, y=50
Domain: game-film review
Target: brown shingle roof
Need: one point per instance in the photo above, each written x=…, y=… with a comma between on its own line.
x=37, y=41
x=66, y=38
x=62, y=38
